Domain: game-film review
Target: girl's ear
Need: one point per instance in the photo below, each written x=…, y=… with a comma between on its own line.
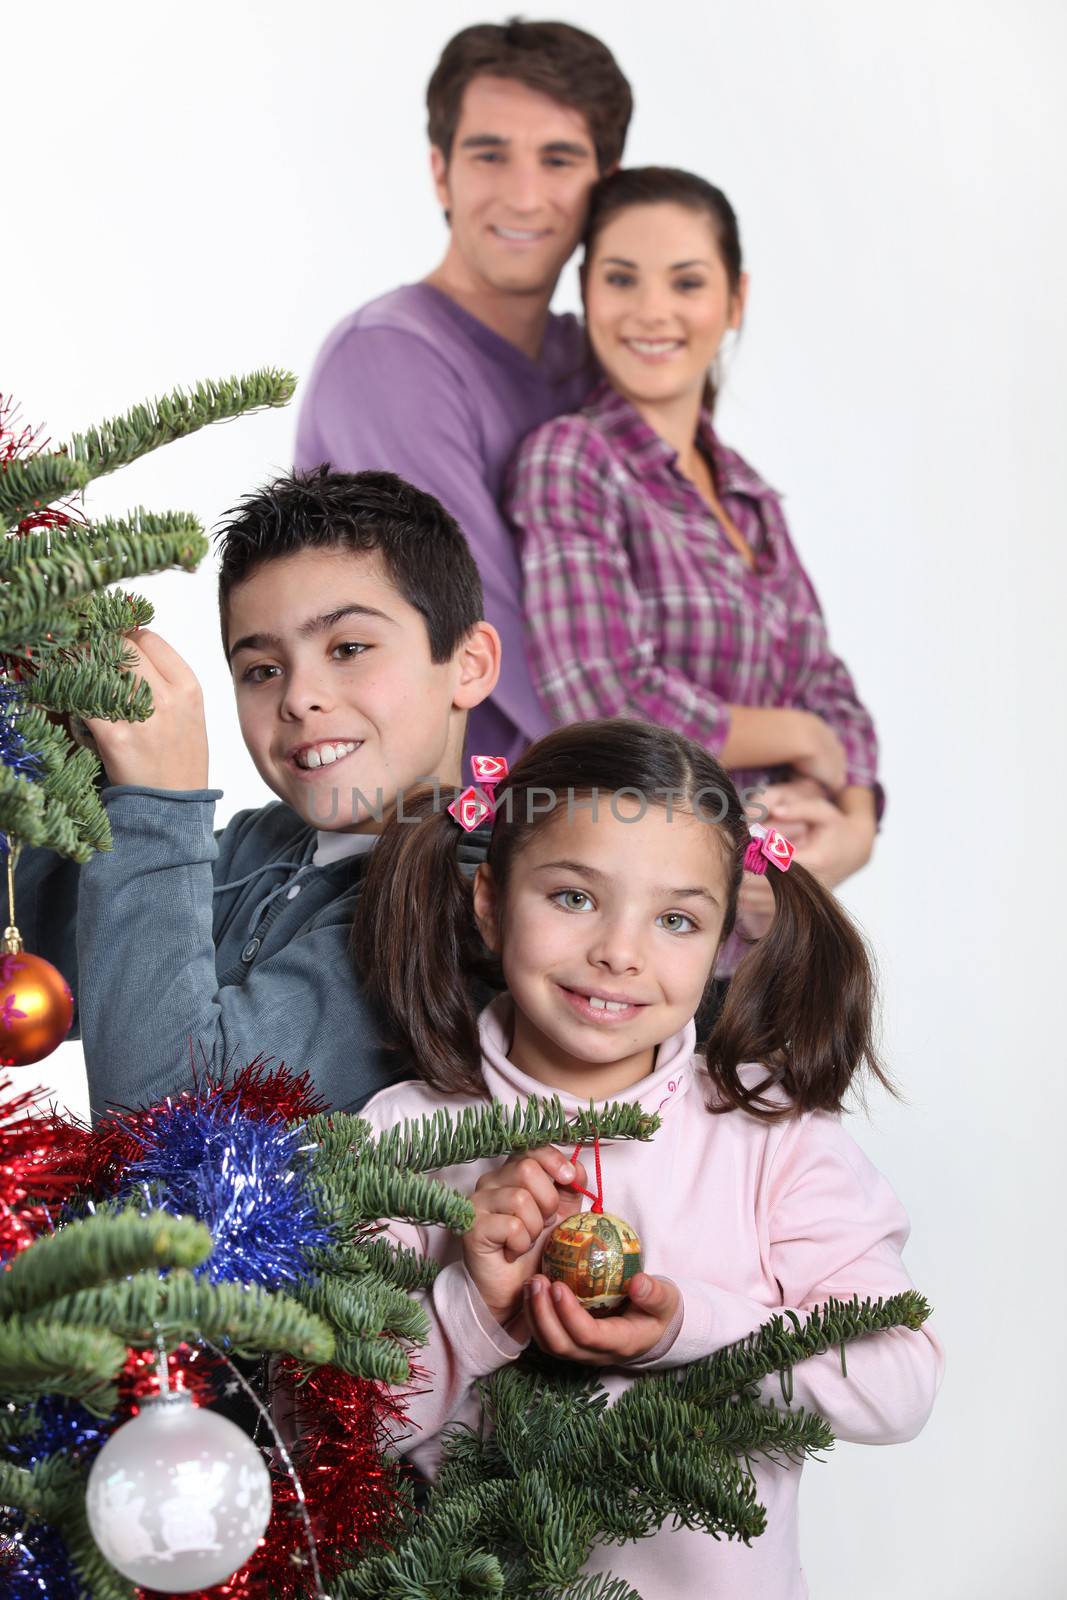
x=485, y=908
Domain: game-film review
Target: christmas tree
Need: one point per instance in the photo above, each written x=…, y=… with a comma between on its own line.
x=242, y=1219
x=63, y=650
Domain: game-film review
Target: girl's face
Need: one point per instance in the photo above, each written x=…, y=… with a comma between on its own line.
x=607, y=935
x=658, y=301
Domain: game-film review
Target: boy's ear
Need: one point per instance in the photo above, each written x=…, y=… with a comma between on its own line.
x=478, y=663
x=485, y=907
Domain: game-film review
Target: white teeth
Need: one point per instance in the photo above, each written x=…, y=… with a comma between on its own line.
x=654, y=347
x=324, y=755
x=515, y=233
x=606, y=1005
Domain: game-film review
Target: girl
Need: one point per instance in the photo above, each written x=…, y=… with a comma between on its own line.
x=660, y=580
x=610, y=883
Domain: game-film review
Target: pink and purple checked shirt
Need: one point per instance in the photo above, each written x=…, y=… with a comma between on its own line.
x=637, y=604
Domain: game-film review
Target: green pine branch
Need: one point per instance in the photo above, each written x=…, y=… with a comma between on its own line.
x=26, y=486
x=478, y=1133
x=94, y=1251
x=145, y=427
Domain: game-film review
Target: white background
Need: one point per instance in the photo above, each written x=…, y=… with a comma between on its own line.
x=191, y=190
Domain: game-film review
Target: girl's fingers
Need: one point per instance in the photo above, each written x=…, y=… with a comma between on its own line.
x=500, y=1230
x=516, y=1203
x=562, y=1327
x=533, y=1173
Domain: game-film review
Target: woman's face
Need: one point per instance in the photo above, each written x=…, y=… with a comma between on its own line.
x=658, y=301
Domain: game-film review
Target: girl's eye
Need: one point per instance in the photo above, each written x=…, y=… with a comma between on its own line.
x=673, y=920
x=253, y=674
x=350, y=650
x=619, y=280
x=567, y=897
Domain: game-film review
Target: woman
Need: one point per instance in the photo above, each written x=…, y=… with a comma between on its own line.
x=660, y=578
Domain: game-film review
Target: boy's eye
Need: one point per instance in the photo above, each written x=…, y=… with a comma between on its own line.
x=256, y=674
x=673, y=922
x=567, y=897
x=349, y=650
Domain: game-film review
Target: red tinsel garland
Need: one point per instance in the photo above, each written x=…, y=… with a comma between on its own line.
x=42, y=1162
x=273, y=1094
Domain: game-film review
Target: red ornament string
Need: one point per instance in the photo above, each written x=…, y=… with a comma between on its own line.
x=598, y=1198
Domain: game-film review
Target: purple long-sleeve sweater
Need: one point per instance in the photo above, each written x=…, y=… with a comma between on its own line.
x=413, y=384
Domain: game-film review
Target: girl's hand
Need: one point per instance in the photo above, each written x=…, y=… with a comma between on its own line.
x=565, y=1329
x=514, y=1206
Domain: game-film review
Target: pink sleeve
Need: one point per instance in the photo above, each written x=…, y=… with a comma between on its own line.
x=465, y=1340
x=835, y=1229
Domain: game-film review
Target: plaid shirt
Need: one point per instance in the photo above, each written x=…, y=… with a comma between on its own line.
x=637, y=604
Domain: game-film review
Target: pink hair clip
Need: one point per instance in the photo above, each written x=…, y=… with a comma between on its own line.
x=475, y=805
x=766, y=846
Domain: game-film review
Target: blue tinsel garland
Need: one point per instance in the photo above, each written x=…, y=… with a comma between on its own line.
x=245, y=1178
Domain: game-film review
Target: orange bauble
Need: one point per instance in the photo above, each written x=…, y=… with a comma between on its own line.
x=36, y=1008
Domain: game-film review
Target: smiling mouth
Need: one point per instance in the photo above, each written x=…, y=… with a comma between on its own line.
x=327, y=753
x=598, y=1008
x=519, y=235
x=654, y=349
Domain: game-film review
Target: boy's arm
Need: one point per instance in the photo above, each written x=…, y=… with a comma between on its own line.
x=46, y=912
x=387, y=399
x=836, y=1230
x=152, y=1008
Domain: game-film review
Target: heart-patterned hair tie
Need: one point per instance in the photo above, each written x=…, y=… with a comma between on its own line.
x=767, y=845
x=475, y=805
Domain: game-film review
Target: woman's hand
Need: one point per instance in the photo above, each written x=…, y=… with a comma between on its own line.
x=840, y=834
x=822, y=754
x=563, y=1327
x=514, y=1206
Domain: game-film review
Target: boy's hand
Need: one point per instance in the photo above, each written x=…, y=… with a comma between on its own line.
x=169, y=751
x=565, y=1329
x=514, y=1206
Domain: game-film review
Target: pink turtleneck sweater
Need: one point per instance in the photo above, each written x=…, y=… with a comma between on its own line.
x=745, y=1217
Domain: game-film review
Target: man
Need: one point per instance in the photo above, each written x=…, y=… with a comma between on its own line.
x=439, y=380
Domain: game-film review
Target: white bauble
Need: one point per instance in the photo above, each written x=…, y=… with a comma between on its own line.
x=179, y=1497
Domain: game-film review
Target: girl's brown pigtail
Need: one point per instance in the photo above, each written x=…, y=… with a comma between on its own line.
x=416, y=945
x=802, y=1003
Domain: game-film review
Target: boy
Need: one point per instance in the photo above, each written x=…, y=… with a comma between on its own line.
x=351, y=615
x=439, y=380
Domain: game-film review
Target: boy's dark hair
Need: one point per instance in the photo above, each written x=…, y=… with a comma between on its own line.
x=421, y=547
x=801, y=1002
x=562, y=62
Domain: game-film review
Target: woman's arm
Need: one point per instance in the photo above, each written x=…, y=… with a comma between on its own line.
x=589, y=650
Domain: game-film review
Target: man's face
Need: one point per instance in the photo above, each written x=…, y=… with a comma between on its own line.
x=516, y=186
x=335, y=687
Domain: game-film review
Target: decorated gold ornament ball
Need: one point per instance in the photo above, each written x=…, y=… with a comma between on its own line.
x=595, y=1255
x=36, y=1008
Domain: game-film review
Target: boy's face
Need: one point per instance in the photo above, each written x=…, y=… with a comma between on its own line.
x=516, y=186
x=336, y=691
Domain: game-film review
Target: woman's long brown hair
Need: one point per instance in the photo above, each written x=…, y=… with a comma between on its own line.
x=801, y=1001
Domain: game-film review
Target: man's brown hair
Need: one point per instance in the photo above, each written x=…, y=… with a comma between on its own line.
x=563, y=62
